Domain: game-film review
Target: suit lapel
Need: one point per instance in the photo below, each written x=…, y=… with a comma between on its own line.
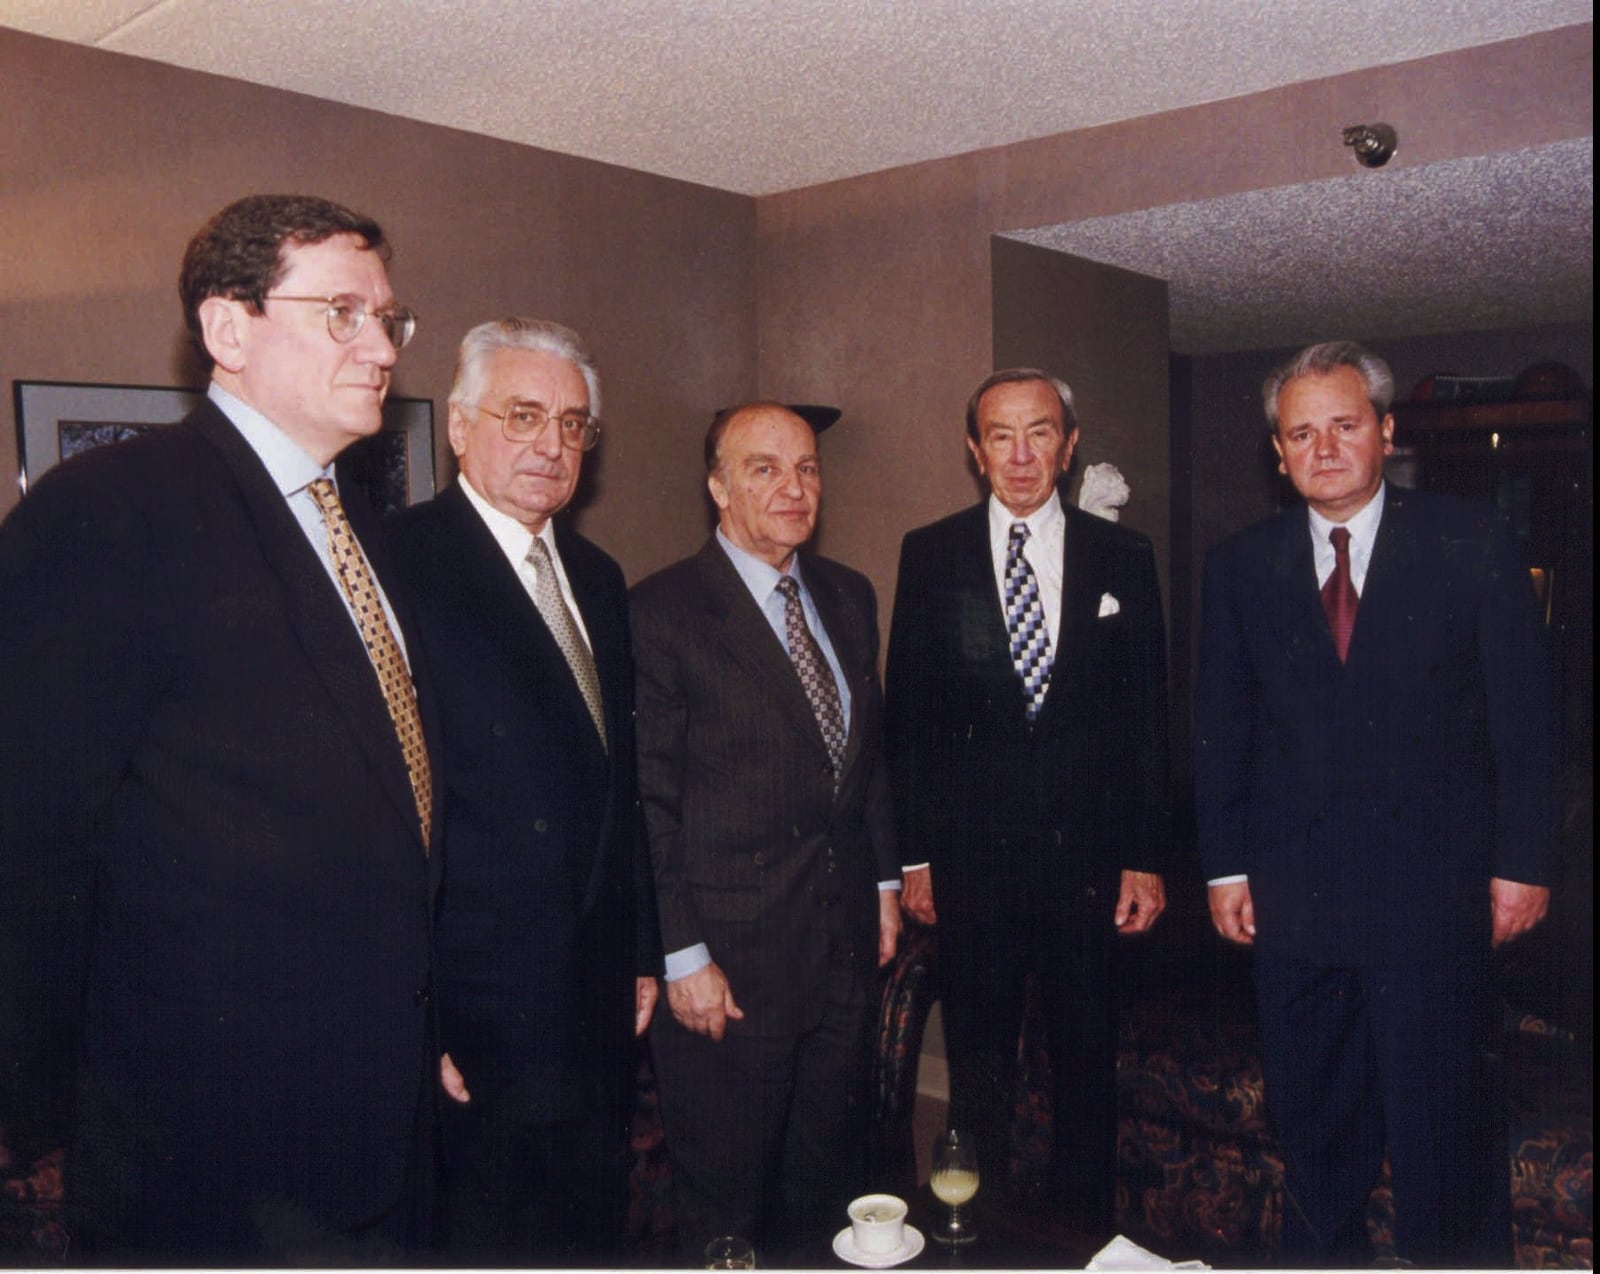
x=597, y=623
x=750, y=642
x=315, y=610
x=1294, y=585
x=849, y=644
x=529, y=650
x=1079, y=607
x=1382, y=592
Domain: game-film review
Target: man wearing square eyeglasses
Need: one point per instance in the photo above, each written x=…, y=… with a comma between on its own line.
x=216, y=797
x=547, y=935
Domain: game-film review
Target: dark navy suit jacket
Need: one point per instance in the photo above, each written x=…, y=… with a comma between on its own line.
x=214, y=899
x=547, y=914
x=1371, y=802
x=1056, y=808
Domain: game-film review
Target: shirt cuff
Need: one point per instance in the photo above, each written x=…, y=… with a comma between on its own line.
x=914, y=867
x=1229, y=880
x=884, y=886
x=680, y=964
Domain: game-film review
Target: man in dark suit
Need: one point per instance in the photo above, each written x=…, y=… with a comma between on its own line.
x=1027, y=743
x=772, y=839
x=215, y=803
x=1374, y=782
x=547, y=938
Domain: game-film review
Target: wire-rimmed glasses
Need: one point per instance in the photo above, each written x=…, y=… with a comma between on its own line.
x=347, y=314
x=523, y=421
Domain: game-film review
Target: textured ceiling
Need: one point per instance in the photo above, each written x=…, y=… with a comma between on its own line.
x=758, y=96
x=1499, y=241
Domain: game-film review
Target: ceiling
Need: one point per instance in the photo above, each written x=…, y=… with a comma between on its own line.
x=760, y=96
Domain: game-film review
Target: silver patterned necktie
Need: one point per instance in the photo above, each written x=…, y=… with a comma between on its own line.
x=816, y=678
x=547, y=597
x=1030, y=639
x=394, y=678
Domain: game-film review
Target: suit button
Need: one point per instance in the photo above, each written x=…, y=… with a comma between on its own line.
x=760, y=859
x=420, y=998
x=1091, y=892
x=498, y=729
x=540, y=826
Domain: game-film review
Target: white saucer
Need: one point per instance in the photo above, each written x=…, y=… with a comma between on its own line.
x=844, y=1247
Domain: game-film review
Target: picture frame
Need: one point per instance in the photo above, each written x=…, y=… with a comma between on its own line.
x=58, y=419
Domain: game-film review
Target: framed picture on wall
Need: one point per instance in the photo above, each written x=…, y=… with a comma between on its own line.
x=57, y=420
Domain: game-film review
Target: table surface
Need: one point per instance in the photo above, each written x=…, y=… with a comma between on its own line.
x=1006, y=1239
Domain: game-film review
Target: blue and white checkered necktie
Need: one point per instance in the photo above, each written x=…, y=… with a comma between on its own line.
x=1030, y=639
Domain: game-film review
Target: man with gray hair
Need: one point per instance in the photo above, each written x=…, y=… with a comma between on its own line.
x=1026, y=736
x=1374, y=787
x=547, y=938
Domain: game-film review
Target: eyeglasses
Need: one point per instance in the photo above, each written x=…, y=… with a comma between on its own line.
x=347, y=315
x=525, y=421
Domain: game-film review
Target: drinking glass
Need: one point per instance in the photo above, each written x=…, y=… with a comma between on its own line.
x=730, y=1252
x=954, y=1181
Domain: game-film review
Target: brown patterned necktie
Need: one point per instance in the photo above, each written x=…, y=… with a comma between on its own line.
x=816, y=678
x=382, y=648
x=547, y=597
x=1339, y=597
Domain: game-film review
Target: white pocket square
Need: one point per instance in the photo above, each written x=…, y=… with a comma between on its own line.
x=1109, y=605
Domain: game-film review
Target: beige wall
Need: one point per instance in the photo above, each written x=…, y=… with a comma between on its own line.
x=109, y=163
x=874, y=293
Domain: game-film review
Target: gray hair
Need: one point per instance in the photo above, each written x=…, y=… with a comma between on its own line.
x=1013, y=375
x=1319, y=360
x=543, y=335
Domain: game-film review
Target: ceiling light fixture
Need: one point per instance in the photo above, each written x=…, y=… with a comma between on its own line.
x=1374, y=144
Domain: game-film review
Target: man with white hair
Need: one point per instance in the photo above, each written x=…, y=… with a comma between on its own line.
x=547, y=934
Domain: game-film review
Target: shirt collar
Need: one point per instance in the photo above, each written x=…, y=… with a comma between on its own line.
x=291, y=469
x=513, y=538
x=1048, y=519
x=1363, y=526
x=758, y=576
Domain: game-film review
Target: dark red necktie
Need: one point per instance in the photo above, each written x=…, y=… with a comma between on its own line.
x=1339, y=598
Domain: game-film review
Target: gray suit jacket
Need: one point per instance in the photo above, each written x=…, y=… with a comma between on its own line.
x=748, y=837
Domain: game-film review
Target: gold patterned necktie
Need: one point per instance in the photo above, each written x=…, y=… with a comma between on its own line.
x=816, y=678
x=382, y=648
x=558, y=619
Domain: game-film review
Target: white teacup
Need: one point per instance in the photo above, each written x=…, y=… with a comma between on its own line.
x=878, y=1222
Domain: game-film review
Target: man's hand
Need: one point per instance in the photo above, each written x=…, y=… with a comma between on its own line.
x=1233, y=913
x=703, y=1002
x=1516, y=908
x=1142, y=898
x=916, y=895
x=451, y=1079
x=888, y=924
x=645, y=994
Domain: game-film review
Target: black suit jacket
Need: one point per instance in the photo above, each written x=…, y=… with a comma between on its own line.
x=215, y=926
x=547, y=914
x=1371, y=802
x=995, y=804
x=746, y=830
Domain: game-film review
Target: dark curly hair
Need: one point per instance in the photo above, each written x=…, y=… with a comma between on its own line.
x=238, y=254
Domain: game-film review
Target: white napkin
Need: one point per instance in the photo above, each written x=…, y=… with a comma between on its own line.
x=1125, y=1254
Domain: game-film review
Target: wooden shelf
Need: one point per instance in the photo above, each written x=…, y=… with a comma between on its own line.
x=1543, y=413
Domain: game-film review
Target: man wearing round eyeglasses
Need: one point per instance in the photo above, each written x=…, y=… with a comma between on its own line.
x=216, y=794
x=547, y=935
